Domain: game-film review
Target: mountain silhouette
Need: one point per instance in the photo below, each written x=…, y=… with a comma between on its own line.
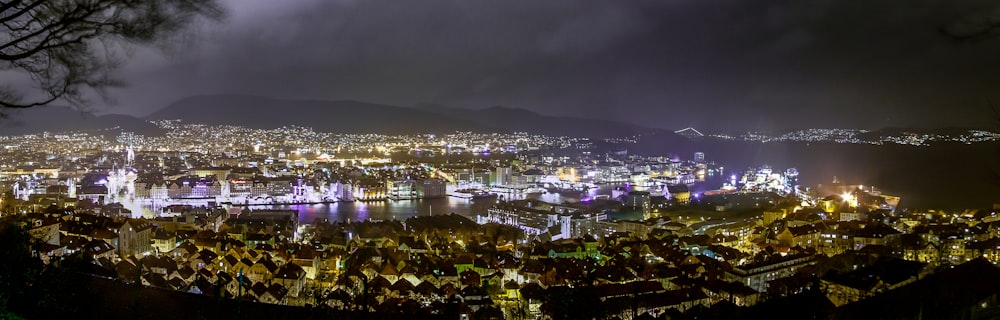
x=348, y=116
x=66, y=119
x=340, y=116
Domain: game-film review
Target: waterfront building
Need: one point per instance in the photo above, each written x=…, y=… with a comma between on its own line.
x=431, y=189
x=401, y=189
x=538, y=218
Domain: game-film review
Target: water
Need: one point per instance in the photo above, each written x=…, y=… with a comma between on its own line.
x=942, y=176
x=385, y=210
x=403, y=209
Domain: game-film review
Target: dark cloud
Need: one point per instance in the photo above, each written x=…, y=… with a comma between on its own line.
x=707, y=63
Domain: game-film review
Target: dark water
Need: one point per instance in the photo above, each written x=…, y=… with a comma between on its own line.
x=403, y=209
x=946, y=176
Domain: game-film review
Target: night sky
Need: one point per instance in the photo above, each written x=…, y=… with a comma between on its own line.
x=712, y=64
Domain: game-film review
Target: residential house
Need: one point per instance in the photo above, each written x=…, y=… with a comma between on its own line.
x=883, y=275
x=291, y=277
x=806, y=236
x=756, y=275
x=135, y=237
x=164, y=241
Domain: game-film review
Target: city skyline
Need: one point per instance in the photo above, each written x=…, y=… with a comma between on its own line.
x=485, y=226
x=447, y=159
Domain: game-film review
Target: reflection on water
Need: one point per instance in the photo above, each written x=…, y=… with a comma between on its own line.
x=386, y=210
x=403, y=209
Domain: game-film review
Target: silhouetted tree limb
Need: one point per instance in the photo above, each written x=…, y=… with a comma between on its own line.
x=968, y=30
x=67, y=47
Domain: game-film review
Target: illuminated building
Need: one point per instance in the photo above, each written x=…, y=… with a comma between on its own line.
x=431, y=188
x=503, y=176
x=771, y=216
x=219, y=173
x=802, y=236
x=342, y=191
x=401, y=189
x=757, y=275
x=536, y=218
x=879, y=234
x=135, y=237
x=680, y=193
x=852, y=216
x=637, y=199
x=567, y=174
x=39, y=172
x=829, y=204
x=70, y=188
x=884, y=275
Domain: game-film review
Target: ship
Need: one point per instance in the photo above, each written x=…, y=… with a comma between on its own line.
x=566, y=192
x=534, y=190
x=472, y=193
x=483, y=195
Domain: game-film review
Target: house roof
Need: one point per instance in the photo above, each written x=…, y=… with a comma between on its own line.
x=97, y=247
x=138, y=224
x=876, y=230
x=962, y=287
x=402, y=285
x=102, y=233
x=277, y=291
x=207, y=256
x=259, y=289
x=290, y=271
x=268, y=264
x=804, y=230
x=156, y=280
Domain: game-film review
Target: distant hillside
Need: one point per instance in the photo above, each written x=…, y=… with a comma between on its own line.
x=345, y=116
x=63, y=119
x=515, y=119
x=342, y=116
x=896, y=131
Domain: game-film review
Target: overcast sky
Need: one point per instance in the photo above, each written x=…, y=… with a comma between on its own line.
x=714, y=64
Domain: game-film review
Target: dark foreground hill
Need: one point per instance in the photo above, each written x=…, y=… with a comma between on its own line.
x=100, y=298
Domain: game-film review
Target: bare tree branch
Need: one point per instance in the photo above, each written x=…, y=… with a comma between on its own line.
x=972, y=30
x=57, y=42
x=21, y=12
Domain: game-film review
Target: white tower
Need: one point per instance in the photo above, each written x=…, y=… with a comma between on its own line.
x=129, y=156
x=71, y=188
x=17, y=191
